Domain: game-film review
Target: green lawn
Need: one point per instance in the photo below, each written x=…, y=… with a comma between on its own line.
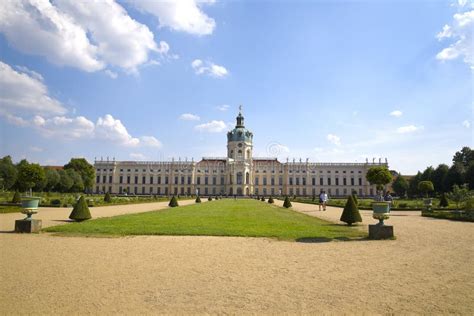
x=9, y=209
x=247, y=218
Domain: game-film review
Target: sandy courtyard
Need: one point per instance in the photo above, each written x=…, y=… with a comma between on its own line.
x=429, y=269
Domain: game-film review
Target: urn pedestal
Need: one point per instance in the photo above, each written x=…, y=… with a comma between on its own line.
x=28, y=226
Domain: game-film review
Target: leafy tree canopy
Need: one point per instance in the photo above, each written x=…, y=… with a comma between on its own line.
x=85, y=170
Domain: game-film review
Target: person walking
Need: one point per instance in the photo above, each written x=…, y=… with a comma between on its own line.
x=323, y=199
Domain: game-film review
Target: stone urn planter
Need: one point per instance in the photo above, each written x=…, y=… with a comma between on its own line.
x=381, y=211
x=29, y=204
x=428, y=203
x=30, y=207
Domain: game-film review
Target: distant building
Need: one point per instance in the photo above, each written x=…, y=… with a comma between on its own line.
x=237, y=174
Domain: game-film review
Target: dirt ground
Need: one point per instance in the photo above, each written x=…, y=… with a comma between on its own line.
x=428, y=269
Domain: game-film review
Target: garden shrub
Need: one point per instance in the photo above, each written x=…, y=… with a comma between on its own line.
x=270, y=200
x=209, y=198
x=80, y=211
x=173, y=202
x=403, y=205
x=262, y=199
x=56, y=202
x=198, y=199
x=16, y=197
x=107, y=198
x=90, y=203
x=443, y=202
x=350, y=214
x=287, y=203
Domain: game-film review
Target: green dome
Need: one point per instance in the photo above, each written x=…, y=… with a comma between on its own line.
x=239, y=133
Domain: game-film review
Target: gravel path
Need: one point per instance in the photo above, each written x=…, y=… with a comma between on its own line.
x=428, y=269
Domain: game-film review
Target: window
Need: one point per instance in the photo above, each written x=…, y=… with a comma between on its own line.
x=166, y=182
x=128, y=181
x=206, y=181
x=97, y=180
x=313, y=181
x=222, y=180
x=121, y=179
x=360, y=181
x=273, y=181
x=143, y=180
x=256, y=180
x=297, y=181
x=158, y=180
x=337, y=182
x=136, y=179
x=291, y=181
x=320, y=181
x=143, y=190
x=344, y=181
x=189, y=180
x=182, y=180
x=329, y=181
x=214, y=180
x=198, y=180
x=151, y=180
x=352, y=181
x=104, y=179
x=265, y=181
x=182, y=191
x=304, y=182
x=280, y=180
x=175, y=180
x=110, y=179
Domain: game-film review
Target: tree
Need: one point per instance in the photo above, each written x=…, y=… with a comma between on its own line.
x=29, y=175
x=85, y=170
x=459, y=194
x=52, y=178
x=464, y=156
x=173, y=202
x=379, y=176
x=469, y=175
x=350, y=214
x=287, y=203
x=455, y=175
x=425, y=187
x=65, y=181
x=107, y=198
x=443, y=202
x=16, y=197
x=209, y=198
x=439, y=178
x=8, y=173
x=427, y=175
x=198, y=199
x=80, y=211
x=400, y=186
x=78, y=183
x=413, y=185
x=270, y=200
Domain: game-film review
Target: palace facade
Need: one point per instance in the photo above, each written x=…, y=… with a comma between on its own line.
x=237, y=174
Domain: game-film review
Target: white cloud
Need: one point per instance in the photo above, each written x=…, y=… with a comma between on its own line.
x=460, y=31
x=182, y=15
x=396, y=113
x=64, y=127
x=466, y=124
x=209, y=68
x=36, y=149
x=111, y=74
x=25, y=92
x=150, y=141
x=212, y=127
x=88, y=35
x=111, y=129
x=336, y=140
x=138, y=156
x=189, y=117
x=409, y=129
x=223, y=107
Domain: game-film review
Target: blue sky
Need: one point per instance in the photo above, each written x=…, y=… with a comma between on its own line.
x=332, y=81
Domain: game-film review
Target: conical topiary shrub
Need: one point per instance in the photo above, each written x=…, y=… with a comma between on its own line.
x=107, y=198
x=354, y=196
x=270, y=200
x=173, y=202
x=262, y=199
x=287, y=202
x=209, y=198
x=16, y=197
x=443, y=202
x=198, y=199
x=351, y=214
x=80, y=212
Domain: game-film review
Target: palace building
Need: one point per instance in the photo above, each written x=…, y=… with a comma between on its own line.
x=238, y=174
